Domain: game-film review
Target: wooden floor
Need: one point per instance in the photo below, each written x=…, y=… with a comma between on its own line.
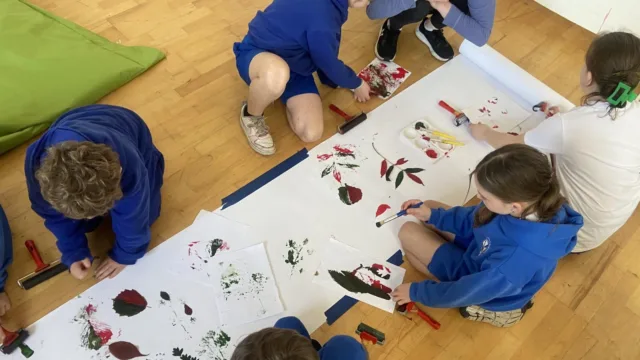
x=589, y=310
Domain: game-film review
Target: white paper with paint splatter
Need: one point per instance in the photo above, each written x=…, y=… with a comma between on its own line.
x=209, y=236
x=245, y=287
x=350, y=271
x=384, y=77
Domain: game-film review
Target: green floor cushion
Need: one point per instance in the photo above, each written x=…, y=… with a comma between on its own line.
x=49, y=65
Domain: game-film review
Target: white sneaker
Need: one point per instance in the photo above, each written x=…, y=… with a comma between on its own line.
x=257, y=133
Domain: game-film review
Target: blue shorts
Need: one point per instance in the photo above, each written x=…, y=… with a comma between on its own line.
x=447, y=263
x=339, y=347
x=297, y=85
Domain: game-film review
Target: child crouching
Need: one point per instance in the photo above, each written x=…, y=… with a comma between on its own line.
x=491, y=259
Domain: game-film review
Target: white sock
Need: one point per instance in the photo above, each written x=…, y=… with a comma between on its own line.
x=429, y=26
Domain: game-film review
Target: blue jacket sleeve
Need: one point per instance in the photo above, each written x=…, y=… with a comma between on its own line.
x=381, y=9
x=477, y=27
x=457, y=220
x=131, y=223
x=324, y=52
x=473, y=289
x=6, y=249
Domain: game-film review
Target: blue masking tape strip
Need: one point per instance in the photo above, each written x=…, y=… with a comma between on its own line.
x=264, y=179
x=343, y=305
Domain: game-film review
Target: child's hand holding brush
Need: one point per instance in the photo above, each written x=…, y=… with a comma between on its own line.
x=418, y=209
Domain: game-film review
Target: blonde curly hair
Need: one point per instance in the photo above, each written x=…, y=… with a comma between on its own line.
x=81, y=180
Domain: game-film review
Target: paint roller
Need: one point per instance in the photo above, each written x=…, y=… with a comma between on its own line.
x=15, y=340
x=43, y=270
x=460, y=117
x=349, y=121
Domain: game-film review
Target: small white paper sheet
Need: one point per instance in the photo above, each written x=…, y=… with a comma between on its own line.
x=245, y=287
x=353, y=273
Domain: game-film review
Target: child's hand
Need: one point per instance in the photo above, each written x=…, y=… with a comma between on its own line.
x=479, y=131
x=362, y=92
x=5, y=304
x=108, y=269
x=552, y=111
x=423, y=213
x=80, y=269
x=443, y=6
x=401, y=294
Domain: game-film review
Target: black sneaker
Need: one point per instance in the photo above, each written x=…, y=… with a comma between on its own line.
x=387, y=42
x=437, y=43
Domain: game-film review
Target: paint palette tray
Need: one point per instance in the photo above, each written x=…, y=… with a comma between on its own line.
x=420, y=135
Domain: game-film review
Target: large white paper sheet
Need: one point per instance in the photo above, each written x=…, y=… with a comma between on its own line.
x=246, y=290
x=353, y=273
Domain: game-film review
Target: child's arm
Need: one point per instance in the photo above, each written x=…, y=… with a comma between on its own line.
x=475, y=28
x=6, y=249
x=323, y=47
x=381, y=9
x=469, y=290
x=131, y=224
x=457, y=220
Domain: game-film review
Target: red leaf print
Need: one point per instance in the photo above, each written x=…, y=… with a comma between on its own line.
x=432, y=153
x=324, y=157
x=400, y=74
x=383, y=168
x=337, y=175
x=415, y=178
x=355, y=194
x=342, y=150
x=495, y=126
x=381, y=209
x=401, y=161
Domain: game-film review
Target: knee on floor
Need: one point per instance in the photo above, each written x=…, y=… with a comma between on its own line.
x=309, y=131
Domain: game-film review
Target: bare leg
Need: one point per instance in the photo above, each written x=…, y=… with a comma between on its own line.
x=304, y=113
x=419, y=244
x=269, y=76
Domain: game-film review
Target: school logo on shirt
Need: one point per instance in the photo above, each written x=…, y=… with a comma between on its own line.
x=486, y=243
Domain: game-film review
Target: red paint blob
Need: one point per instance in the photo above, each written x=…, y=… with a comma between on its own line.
x=432, y=153
x=132, y=297
x=401, y=161
x=381, y=209
x=224, y=246
x=355, y=194
x=123, y=350
x=90, y=309
x=188, y=310
x=102, y=330
x=424, y=137
x=495, y=126
x=324, y=157
x=383, y=168
x=512, y=133
x=342, y=150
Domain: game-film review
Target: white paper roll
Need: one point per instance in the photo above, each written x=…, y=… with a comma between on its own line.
x=514, y=78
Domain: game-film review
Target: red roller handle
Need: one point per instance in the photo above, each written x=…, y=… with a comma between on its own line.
x=35, y=255
x=434, y=324
x=338, y=111
x=448, y=108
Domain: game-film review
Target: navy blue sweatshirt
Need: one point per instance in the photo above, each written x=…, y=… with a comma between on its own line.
x=505, y=262
x=6, y=249
x=142, y=170
x=306, y=34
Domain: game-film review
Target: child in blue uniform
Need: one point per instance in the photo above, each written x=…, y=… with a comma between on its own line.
x=289, y=339
x=285, y=45
x=491, y=259
x=93, y=161
x=6, y=258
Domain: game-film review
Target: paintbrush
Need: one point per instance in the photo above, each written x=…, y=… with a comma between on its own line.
x=447, y=141
x=440, y=134
x=399, y=214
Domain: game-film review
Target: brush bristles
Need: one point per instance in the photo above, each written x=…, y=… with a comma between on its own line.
x=379, y=223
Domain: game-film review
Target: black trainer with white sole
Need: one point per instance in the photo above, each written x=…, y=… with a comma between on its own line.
x=437, y=43
x=387, y=43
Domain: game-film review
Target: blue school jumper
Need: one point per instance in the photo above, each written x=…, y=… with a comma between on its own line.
x=142, y=169
x=498, y=266
x=6, y=249
x=339, y=347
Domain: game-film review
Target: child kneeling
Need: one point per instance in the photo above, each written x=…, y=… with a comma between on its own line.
x=289, y=339
x=492, y=258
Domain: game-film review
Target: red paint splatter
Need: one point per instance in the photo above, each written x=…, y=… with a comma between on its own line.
x=188, y=310
x=495, y=126
x=381, y=209
x=425, y=137
x=382, y=65
x=342, y=150
x=504, y=112
x=224, y=246
x=102, y=330
x=337, y=175
x=512, y=133
x=324, y=157
x=400, y=74
x=493, y=100
x=90, y=309
x=378, y=285
x=191, y=244
x=401, y=161
x=383, y=168
x=432, y=153
x=415, y=178
x=355, y=194
x=365, y=75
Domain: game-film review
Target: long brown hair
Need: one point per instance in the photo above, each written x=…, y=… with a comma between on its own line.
x=519, y=173
x=613, y=58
